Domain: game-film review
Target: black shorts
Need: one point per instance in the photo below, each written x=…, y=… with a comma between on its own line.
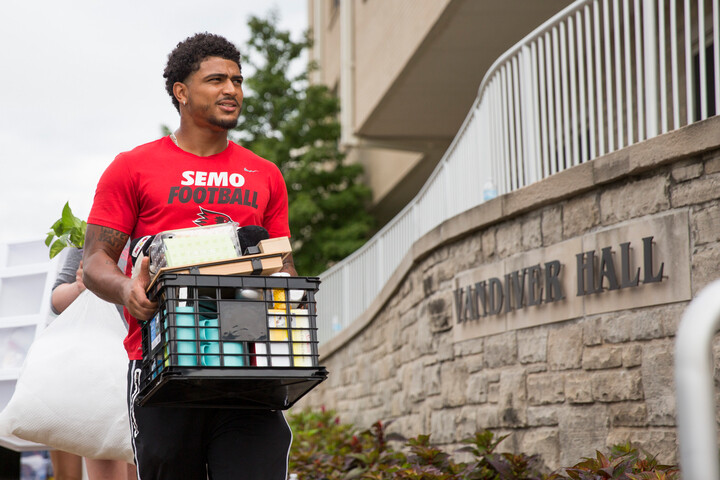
x=177, y=443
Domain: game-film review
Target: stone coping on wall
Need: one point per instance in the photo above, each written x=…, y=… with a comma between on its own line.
x=668, y=148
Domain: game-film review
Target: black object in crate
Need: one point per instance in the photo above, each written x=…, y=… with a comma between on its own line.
x=230, y=341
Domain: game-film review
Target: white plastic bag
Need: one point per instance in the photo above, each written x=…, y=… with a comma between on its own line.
x=71, y=393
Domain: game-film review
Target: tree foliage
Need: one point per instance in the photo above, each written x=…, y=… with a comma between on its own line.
x=294, y=124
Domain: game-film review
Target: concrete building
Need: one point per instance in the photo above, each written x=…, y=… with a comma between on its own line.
x=549, y=312
x=406, y=73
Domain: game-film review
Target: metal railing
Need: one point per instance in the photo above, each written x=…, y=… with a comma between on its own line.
x=695, y=386
x=597, y=77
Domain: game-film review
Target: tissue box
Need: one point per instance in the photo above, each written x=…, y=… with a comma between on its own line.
x=188, y=246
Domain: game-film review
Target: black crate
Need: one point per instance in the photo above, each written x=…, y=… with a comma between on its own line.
x=230, y=341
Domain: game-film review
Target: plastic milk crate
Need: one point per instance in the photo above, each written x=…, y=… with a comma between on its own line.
x=230, y=341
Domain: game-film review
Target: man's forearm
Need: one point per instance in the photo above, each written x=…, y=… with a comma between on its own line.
x=103, y=277
x=101, y=274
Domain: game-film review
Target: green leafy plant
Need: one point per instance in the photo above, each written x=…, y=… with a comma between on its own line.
x=68, y=231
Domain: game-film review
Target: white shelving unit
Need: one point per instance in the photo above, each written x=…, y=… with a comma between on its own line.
x=26, y=279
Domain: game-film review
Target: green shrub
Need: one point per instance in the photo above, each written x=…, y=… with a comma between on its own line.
x=326, y=449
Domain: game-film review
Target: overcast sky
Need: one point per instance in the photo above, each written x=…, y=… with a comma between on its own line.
x=82, y=81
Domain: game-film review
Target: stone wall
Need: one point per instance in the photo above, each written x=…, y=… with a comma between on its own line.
x=562, y=389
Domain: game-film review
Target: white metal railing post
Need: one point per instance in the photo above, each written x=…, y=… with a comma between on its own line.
x=511, y=162
x=380, y=263
x=609, y=104
x=445, y=206
x=565, y=88
x=559, y=160
x=694, y=386
x=701, y=59
x=416, y=220
x=674, y=65
x=662, y=68
x=639, y=77
x=619, y=104
x=583, y=99
x=651, y=61
x=627, y=27
x=518, y=133
x=551, y=105
x=598, y=79
x=492, y=133
x=689, y=84
x=345, y=318
x=590, y=83
x=529, y=116
x=574, y=127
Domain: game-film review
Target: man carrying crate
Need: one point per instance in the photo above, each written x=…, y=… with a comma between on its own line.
x=193, y=177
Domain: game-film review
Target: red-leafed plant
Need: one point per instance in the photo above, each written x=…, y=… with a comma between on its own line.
x=325, y=449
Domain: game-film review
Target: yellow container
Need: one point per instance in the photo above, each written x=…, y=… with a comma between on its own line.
x=279, y=298
x=280, y=351
x=302, y=346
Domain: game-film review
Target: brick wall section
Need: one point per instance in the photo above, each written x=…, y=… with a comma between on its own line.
x=564, y=389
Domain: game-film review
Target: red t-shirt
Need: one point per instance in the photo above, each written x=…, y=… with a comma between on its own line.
x=157, y=187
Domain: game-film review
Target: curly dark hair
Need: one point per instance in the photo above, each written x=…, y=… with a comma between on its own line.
x=189, y=54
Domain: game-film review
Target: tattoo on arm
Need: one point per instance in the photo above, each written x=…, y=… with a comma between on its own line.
x=109, y=240
x=112, y=237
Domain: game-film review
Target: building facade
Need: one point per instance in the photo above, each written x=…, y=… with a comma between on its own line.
x=550, y=311
x=578, y=368
x=406, y=73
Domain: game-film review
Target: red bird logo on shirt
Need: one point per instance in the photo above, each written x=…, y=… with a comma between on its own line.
x=208, y=217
